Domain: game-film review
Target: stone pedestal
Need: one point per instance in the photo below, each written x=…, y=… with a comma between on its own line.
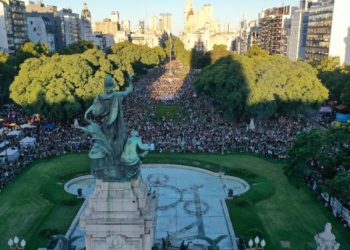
x=119, y=215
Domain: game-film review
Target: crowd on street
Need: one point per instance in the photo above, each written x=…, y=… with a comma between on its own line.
x=50, y=141
x=199, y=127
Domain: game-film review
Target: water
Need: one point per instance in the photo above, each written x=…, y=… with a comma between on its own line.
x=189, y=203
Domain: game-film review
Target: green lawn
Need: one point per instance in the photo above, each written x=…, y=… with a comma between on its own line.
x=36, y=203
x=169, y=111
x=273, y=207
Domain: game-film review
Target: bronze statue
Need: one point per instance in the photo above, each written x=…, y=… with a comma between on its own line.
x=107, y=129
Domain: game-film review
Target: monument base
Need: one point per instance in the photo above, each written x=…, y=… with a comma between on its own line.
x=119, y=215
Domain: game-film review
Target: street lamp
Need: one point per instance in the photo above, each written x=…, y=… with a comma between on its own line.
x=15, y=244
x=257, y=244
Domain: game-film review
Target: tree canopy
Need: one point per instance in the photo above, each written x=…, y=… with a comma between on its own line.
x=135, y=58
x=60, y=86
x=336, y=77
x=260, y=85
x=326, y=154
x=78, y=47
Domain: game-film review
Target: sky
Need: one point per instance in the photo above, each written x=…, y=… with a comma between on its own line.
x=225, y=11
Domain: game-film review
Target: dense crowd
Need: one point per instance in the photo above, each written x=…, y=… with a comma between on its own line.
x=51, y=141
x=198, y=126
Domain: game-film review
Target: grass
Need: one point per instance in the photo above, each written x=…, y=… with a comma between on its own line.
x=36, y=204
x=272, y=208
x=169, y=111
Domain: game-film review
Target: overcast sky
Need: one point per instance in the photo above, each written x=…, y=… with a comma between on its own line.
x=225, y=11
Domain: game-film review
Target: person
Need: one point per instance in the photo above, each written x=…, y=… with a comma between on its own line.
x=130, y=158
x=106, y=115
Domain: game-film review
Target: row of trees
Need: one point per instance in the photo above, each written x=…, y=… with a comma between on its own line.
x=259, y=85
x=323, y=155
x=60, y=86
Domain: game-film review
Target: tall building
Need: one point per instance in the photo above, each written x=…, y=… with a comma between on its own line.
x=165, y=23
x=41, y=30
x=202, y=31
x=274, y=29
x=13, y=28
x=329, y=30
x=52, y=21
x=85, y=25
x=70, y=26
x=299, y=29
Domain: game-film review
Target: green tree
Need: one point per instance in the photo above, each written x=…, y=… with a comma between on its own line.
x=60, y=86
x=260, y=85
x=78, y=47
x=339, y=186
x=334, y=76
x=219, y=51
x=178, y=50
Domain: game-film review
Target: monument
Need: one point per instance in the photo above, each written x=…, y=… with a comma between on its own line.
x=120, y=213
x=326, y=239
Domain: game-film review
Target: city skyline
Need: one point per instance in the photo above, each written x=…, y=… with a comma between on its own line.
x=224, y=11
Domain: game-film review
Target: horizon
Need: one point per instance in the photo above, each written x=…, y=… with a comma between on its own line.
x=224, y=11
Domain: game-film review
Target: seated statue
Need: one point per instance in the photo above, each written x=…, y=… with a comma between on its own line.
x=131, y=158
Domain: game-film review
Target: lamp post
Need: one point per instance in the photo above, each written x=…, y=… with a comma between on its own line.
x=257, y=244
x=171, y=48
x=15, y=244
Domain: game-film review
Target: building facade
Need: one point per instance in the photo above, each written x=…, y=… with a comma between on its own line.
x=41, y=30
x=328, y=31
x=70, y=23
x=13, y=28
x=53, y=24
x=107, y=26
x=202, y=31
x=274, y=29
x=85, y=25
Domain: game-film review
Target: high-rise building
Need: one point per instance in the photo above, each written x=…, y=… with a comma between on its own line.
x=52, y=21
x=85, y=26
x=202, y=31
x=274, y=29
x=329, y=30
x=13, y=28
x=165, y=23
x=299, y=28
x=70, y=26
x=41, y=30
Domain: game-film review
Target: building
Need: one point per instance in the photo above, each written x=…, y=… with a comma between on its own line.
x=70, y=23
x=328, y=30
x=274, y=29
x=253, y=33
x=160, y=24
x=85, y=25
x=109, y=26
x=299, y=29
x=41, y=30
x=165, y=23
x=13, y=28
x=149, y=39
x=202, y=31
x=53, y=24
x=125, y=25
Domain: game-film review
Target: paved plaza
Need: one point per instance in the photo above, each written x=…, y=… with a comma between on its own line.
x=189, y=203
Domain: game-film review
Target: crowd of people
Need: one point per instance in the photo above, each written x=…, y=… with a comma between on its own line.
x=199, y=127
x=50, y=141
